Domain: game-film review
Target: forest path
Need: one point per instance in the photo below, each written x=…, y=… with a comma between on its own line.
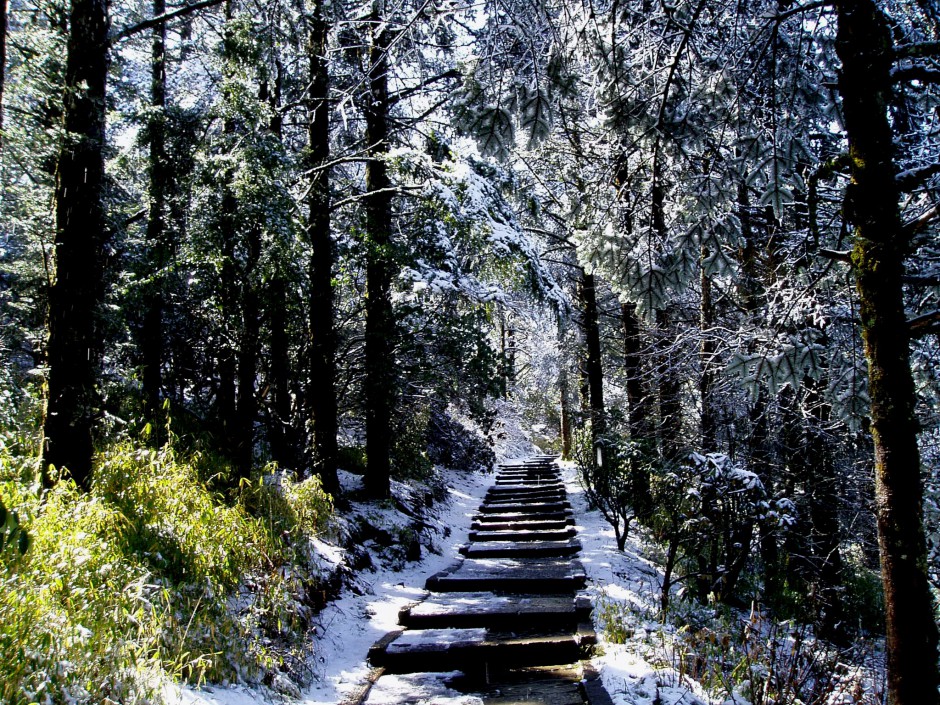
x=508, y=618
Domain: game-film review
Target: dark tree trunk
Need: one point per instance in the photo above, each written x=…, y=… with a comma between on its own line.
x=670, y=406
x=322, y=387
x=152, y=337
x=80, y=242
x=380, y=322
x=707, y=422
x=636, y=396
x=3, y=62
x=565, y=414
x=823, y=515
x=863, y=43
x=639, y=408
x=247, y=402
x=282, y=437
x=595, y=370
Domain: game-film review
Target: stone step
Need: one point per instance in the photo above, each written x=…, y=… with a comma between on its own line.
x=552, y=496
x=518, y=507
x=531, y=535
x=436, y=650
x=542, y=576
x=525, y=481
x=526, y=489
x=488, y=523
x=521, y=549
x=560, y=515
x=532, y=685
x=484, y=609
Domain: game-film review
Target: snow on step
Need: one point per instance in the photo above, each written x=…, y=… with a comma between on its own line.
x=484, y=609
x=533, y=549
x=531, y=507
x=525, y=489
x=488, y=523
x=497, y=517
x=465, y=649
x=535, y=575
x=522, y=535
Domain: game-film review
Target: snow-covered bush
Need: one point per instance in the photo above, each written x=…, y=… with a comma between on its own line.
x=151, y=572
x=453, y=445
x=707, y=512
x=611, y=471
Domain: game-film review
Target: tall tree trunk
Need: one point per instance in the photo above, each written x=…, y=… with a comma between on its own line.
x=152, y=338
x=565, y=413
x=670, y=412
x=380, y=322
x=863, y=43
x=825, y=538
x=3, y=63
x=281, y=431
x=639, y=407
x=670, y=404
x=322, y=387
x=80, y=241
x=632, y=365
x=247, y=402
x=708, y=424
x=595, y=370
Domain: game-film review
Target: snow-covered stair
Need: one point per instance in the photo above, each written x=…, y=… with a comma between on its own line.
x=508, y=617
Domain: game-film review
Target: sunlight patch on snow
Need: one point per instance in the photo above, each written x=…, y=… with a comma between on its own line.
x=418, y=689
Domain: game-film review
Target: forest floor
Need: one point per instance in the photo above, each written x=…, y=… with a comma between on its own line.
x=642, y=660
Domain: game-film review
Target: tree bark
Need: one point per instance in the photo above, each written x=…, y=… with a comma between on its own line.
x=639, y=407
x=81, y=238
x=565, y=414
x=636, y=395
x=670, y=406
x=707, y=422
x=863, y=43
x=152, y=337
x=595, y=370
x=380, y=323
x=3, y=63
x=322, y=386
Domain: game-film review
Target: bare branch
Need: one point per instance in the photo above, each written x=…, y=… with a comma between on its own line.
x=406, y=92
x=920, y=50
x=910, y=180
x=161, y=19
x=915, y=73
x=808, y=7
x=912, y=227
x=924, y=325
x=837, y=255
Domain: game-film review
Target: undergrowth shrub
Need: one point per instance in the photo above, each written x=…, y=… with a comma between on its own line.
x=150, y=572
x=738, y=657
x=79, y=619
x=453, y=445
x=409, y=456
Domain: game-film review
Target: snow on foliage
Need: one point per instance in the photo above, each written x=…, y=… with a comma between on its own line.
x=472, y=244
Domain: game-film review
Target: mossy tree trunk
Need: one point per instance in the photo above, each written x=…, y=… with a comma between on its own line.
x=595, y=369
x=152, y=336
x=322, y=392
x=380, y=322
x=81, y=239
x=864, y=46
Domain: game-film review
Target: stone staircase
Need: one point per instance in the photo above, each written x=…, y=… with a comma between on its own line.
x=508, y=616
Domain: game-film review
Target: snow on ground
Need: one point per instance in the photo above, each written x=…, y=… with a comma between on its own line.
x=350, y=625
x=368, y=609
x=627, y=585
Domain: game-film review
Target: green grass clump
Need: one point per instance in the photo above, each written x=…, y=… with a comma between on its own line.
x=151, y=572
x=77, y=618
